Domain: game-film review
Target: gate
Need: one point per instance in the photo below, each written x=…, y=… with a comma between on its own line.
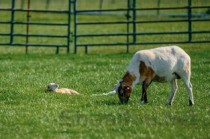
x=32, y=25
x=135, y=23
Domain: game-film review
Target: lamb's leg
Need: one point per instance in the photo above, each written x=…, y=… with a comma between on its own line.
x=145, y=85
x=173, y=91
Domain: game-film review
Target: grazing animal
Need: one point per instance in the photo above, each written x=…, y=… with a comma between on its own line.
x=163, y=64
x=53, y=87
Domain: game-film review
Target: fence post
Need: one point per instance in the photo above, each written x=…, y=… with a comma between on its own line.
x=189, y=21
x=86, y=49
x=69, y=27
x=27, y=25
x=12, y=21
x=75, y=26
x=127, y=24
x=47, y=4
x=100, y=5
x=134, y=21
x=158, y=6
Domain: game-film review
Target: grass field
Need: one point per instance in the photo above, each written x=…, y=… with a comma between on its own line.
x=26, y=111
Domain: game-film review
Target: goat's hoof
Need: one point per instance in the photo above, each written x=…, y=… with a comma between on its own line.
x=143, y=102
x=191, y=103
x=169, y=103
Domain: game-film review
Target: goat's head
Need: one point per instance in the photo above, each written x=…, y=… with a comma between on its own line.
x=124, y=92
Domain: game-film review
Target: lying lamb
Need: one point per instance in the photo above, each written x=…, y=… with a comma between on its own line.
x=53, y=87
x=164, y=64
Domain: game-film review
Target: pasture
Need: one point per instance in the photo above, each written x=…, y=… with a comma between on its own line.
x=26, y=111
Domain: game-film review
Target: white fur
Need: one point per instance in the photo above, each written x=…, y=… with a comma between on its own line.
x=165, y=61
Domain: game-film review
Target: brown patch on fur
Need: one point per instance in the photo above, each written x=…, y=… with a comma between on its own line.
x=125, y=88
x=146, y=73
x=128, y=79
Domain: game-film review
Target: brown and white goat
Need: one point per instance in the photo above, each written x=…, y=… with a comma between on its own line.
x=163, y=64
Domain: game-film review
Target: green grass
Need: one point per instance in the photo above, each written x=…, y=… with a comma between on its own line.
x=28, y=112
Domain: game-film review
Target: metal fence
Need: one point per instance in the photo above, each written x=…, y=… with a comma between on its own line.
x=29, y=25
x=103, y=23
x=136, y=25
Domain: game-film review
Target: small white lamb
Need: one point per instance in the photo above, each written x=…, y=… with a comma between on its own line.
x=53, y=87
x=163, y=64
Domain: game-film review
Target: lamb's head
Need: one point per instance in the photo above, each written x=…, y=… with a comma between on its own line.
x=52, y=86
x=124, y=92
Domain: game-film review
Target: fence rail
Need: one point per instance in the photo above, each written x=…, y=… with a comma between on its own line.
x=116, y=26
x=132, y=22
x=14, y=27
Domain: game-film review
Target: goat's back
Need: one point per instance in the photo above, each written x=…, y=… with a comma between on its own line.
x=163, y=60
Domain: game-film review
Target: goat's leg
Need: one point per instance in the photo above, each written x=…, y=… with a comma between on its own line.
x=188, y=85
x=173, y=91
x=189, y=91
x=145, y=85
x=144, y=93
